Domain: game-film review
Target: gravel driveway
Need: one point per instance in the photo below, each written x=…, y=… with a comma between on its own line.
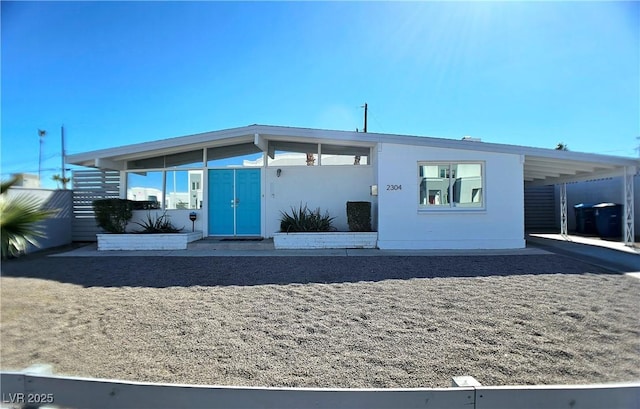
x=322, y=322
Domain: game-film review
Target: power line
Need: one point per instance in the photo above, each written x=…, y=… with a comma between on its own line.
x=30, y=171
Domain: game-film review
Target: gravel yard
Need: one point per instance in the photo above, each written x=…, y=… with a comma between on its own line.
x=322, y=322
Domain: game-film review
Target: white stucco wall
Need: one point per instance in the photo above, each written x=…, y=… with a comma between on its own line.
x=402, y=226
x=57, y=228
x=179, y=218
x=327, y=187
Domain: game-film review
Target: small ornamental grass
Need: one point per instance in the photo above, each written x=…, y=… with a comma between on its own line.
x=304, y=219
x=159, y=224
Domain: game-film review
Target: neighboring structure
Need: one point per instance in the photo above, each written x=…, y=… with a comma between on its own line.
x=426, y=192
x=26, y=180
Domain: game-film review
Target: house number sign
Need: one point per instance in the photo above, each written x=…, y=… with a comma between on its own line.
x=394, y=187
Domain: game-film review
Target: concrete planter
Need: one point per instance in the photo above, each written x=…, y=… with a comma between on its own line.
x=162, y=241
x=331, y=240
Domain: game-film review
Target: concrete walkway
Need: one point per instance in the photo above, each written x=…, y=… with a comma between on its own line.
x=610, y=254
x=265, y=248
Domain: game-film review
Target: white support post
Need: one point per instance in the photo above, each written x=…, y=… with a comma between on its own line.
x=563, y=210
x=629, y=230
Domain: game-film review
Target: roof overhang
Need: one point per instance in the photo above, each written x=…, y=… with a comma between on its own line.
x=541, y=166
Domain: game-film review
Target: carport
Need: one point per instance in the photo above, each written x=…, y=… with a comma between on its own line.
x=549, y=167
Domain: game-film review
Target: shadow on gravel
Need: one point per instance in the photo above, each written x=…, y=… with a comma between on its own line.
x=160, y=272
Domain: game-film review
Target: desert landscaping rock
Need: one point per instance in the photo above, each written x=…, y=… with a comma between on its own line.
x=322, y=322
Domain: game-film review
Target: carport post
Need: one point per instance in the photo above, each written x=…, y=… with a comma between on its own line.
x=629, y=230
x=563, y=210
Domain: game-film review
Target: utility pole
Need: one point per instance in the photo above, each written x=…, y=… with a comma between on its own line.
x=63, y=154
x=356, y=159
x=365, y=116
x=41, y=134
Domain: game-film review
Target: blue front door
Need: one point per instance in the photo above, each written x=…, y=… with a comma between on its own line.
x=234, y=202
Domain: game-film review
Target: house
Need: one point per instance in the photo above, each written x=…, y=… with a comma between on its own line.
x=426, y=193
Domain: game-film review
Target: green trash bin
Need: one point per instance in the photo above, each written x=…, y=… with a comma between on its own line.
x=608, y=219
x=585, y=218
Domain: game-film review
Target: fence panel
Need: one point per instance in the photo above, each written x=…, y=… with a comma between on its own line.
x=89, y=185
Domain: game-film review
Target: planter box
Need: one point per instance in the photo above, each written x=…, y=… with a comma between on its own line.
x=331, y=240
x=163, y=241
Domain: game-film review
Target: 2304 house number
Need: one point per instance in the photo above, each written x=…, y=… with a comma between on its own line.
x=394, y=187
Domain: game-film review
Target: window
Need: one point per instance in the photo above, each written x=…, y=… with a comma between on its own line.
x=191, y=159
x=450, y=185
x=182, y=189
x=145, y=187
x=343, y=155
x=292, y=154
x=246, y=154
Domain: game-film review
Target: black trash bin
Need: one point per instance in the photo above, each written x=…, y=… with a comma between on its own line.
x=608, y=219
x=585, y=218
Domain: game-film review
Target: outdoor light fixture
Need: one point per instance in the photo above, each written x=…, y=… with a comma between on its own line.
x=193, y=216
x=278, y=172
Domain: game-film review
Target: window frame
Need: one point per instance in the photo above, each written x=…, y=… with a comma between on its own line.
x=452, y=205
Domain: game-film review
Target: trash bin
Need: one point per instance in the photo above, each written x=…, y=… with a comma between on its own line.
x=585, y=218
x=608, y=219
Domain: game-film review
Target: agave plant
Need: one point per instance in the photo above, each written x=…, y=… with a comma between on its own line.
x=19, y=216
x=304, y=219
x=159, y=224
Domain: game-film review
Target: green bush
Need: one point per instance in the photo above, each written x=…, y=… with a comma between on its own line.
x=160, y=224
x=305, y=220
x=359, y=216
x=113, y=215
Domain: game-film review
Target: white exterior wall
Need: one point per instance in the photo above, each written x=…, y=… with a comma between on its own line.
x=402, y=226
x=327, y=187
x=56, y=228
x=178, y=217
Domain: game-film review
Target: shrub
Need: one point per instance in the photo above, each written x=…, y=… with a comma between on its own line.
x=305, y=220
x=113, y=214
x=161, y=224
x=359, y=216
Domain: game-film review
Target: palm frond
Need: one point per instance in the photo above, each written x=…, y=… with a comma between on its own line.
x=4, y=186
x=19, y=217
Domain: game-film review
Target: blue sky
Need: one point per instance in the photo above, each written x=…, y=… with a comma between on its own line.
x=119, y=73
